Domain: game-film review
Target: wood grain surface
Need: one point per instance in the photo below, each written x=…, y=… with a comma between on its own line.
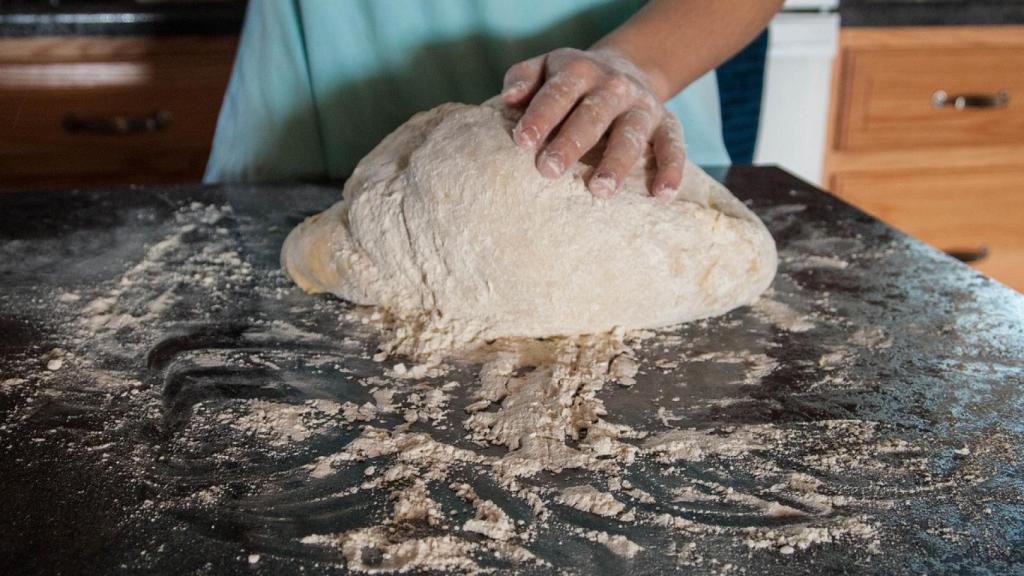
x=44, y=81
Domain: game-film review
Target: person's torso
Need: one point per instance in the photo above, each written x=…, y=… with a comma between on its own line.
x=371, y=64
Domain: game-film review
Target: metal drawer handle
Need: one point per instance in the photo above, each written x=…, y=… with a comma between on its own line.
x=969, y=255
x=941, y=99
x=118, y=125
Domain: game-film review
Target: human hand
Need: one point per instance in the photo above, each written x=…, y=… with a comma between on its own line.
x=591, y=93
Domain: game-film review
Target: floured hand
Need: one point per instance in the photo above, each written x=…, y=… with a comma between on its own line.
x=586, y=94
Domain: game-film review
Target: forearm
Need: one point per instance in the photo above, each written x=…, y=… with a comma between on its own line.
x=676, y=41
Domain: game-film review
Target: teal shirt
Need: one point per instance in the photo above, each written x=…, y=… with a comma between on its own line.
x=317, y=83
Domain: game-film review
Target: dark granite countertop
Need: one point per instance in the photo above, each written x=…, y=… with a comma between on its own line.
x=931, y=12
x=866, y=417
x=117, y=18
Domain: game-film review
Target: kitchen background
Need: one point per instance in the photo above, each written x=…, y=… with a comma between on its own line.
x=910, y=109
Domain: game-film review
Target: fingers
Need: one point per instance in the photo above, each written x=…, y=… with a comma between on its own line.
x=552, y=104
x=626, y=144
x=670, y=154
x=582, y=130
x=522, y=80
x=585, y=98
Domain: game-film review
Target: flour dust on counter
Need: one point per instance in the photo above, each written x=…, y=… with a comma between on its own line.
x=243, y=425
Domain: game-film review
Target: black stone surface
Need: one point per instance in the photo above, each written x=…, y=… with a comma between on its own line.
x=931, y=12
x=120, y=18
x=98, y=475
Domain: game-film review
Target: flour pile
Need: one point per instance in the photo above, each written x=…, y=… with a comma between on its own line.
x=448, y=226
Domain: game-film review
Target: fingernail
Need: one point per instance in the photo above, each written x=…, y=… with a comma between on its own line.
x=551, y=164
x=602, y=185
x=666, y=193
x=525, y=137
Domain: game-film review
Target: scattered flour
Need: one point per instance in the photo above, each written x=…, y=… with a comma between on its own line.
x=490, y=520
x=616, y=543
x=759, y=364
x=813, y=261
x=694, y=445
x=374, y=551
x=282, y=424
x=589, y=499
x=520, y=412
x=782, y=315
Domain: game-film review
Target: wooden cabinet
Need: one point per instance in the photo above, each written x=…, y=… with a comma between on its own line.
x=976, y=213
x=927, y=133
x=91, y=111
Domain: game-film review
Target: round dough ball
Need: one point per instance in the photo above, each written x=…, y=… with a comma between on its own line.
x=448, y=223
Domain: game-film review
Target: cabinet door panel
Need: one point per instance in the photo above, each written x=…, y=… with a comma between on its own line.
x=920, y=92
x=111, y=113
x=954, y=210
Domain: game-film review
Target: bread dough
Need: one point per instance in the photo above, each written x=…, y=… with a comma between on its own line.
x=447, y=225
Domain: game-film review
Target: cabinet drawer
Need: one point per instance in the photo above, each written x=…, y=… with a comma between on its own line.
x=892, y=95
x=143, y=115
x=953, y=210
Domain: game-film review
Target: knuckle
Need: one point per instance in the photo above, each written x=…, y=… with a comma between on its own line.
x=649, y=101
x=673, y=126
x=564, y=87
x=630, y=143
x=638, y=118
x=634, y=139
x=671, y=144
x=670, y=133
x=618, y=83
x=594, y=106
x=558, y=91
x=606, y=100
x=579, y=67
